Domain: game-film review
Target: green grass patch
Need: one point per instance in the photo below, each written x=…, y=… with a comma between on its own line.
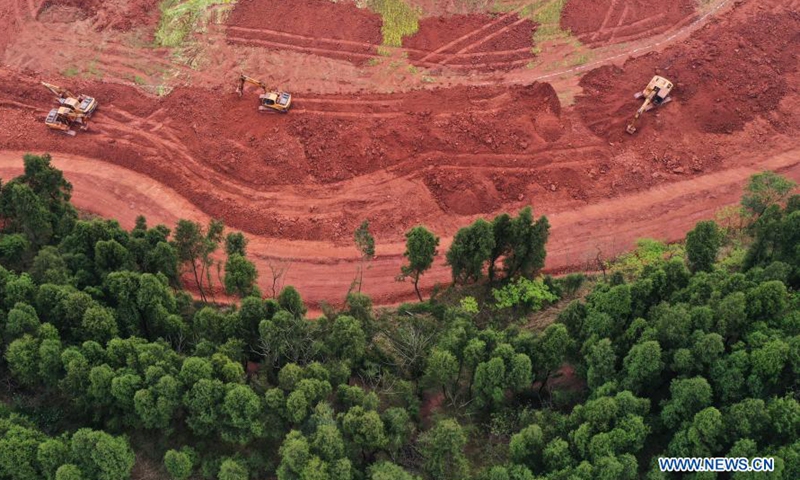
x=399, y=20
x=93, y=71
x=179, y=18
x=547, y=14
x=70, y=72
x=580, y=59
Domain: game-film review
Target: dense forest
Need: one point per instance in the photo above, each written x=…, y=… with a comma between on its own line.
x=112, y=369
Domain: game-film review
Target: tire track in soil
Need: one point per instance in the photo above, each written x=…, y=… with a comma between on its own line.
x=338, y=53
x=474, y=32
x=606, y=19
x=685, y=28
x=363, y=51
x=243, y=194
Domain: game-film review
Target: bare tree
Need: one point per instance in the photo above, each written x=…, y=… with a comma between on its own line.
x=278, y=269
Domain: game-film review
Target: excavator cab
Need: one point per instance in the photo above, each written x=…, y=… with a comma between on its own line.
x=656, y=93
x=278, y=101
x=64, y=119
x=82, y=104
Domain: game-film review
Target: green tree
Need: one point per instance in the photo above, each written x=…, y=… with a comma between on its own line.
x=20, y=320
x=69, y=471
x=25, y=213
x=553, y=346
x=178, y=464
x=502, y=233
x=347, y=339
x=49, y=267
x=526, y=446
x=295, y=453
x=527, y=246
x=443, y=450
x=687, y=397
x=365, y=243
x=388, y=471
x=420, y=250
x=365, y=428
x=290, y=300
x=601, y=363
x=489, y=382
x=642, y=366
x=22, y=356
x=765, y=189
x=240, y=275
x=232, y=470
x=235, y=244
x=442, y=370
x=195, y=246
x=51, y=454
x=203, y=404
x=241, y=409
x=399, y=427
x=100, y=455
x=533, y=294
x=471, y=248
x=702, y=246
x=99, y=324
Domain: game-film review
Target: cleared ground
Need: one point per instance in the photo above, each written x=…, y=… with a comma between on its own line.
x=500, y=126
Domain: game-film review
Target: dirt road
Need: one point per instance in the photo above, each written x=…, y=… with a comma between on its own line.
x=441, y=156
x=322, y=271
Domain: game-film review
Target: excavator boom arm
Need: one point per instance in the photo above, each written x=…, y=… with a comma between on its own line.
x=631, y=128
x=58, y=91
x=245, y=79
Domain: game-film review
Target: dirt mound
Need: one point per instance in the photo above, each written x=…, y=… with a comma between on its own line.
x=222, y=154
x=120, y=15
x=474, y=41
x=317, y=27
x=598, y=22
x=724, y=78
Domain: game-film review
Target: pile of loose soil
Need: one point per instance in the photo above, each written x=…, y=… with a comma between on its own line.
x=211, y=146
x=599, y=22
x=724, y=78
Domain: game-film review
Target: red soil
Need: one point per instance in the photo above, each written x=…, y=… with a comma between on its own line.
x=437, y=31
x=300, y=183
x=119, y=15
x=317, y=27
x=600, y=22
x=724, y=78
x=476, y=41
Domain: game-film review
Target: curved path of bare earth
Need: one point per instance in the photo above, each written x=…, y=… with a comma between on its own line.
x=320, y=270
x=340, y=159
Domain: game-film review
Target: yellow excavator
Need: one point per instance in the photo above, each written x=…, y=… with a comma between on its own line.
x=270, y=100
x=66, y=120
x=655, y=94
x=82, y=104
